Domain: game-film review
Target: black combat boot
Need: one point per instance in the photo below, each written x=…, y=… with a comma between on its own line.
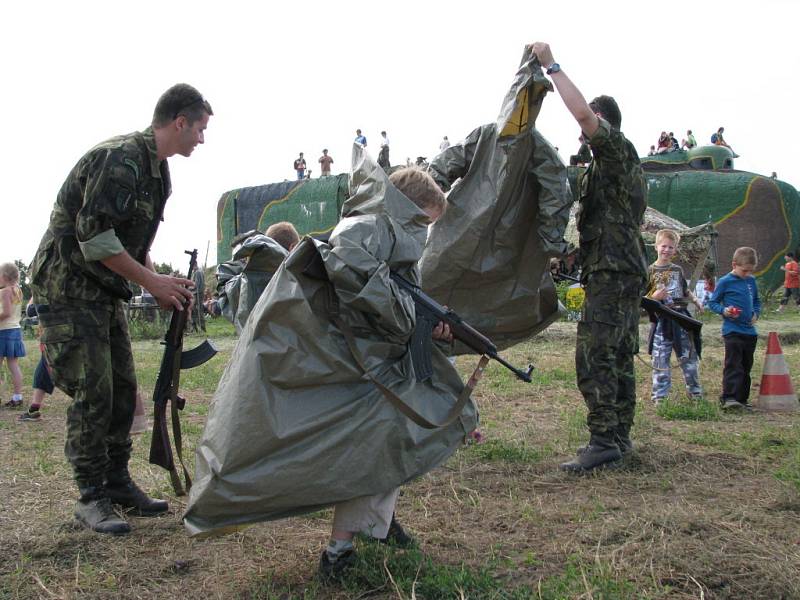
x=623, y=438
x=602, y=451
x=622, y=435
x=122, y=490
x=94, y=510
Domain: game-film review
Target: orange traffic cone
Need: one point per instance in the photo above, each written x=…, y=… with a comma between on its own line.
x=776, y=392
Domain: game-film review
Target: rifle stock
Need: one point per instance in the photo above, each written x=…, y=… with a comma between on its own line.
x=166, y=391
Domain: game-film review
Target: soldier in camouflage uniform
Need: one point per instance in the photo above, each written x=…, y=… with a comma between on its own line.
x=613, y=272
x=102, y=226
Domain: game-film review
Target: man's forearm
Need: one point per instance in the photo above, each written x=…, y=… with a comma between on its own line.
x=125, y=266
x=575, y=103
x=571, y=96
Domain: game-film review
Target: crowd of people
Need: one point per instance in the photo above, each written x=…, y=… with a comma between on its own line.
x=97, y=243
x=667, y=142
x=300, y=166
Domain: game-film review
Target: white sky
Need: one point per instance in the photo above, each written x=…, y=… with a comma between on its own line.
x=287, y=77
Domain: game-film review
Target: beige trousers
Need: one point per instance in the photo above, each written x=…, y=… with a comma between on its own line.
x=369, y=515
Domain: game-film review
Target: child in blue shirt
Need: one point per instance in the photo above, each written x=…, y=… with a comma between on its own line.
x=736, y=299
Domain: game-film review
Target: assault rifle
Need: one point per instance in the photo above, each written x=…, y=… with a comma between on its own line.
x=655, y=309
x=166, y=390
x=429, y=313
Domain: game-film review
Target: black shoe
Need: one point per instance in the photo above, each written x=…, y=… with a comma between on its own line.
x=397, y=536
x=31, y=416
x=122, y=490
x=94, y=510
x=602, y=451
x=334, y=571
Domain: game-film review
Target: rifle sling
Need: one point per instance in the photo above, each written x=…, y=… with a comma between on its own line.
x=176, y=435
x=398, y=402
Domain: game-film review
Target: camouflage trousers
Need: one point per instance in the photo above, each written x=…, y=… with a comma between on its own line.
x=608, y=338
x=687, y=359
x=89, y=351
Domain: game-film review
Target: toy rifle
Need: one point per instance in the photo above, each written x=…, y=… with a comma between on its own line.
x=166, y=390
x=429, y=313
x=656, y=309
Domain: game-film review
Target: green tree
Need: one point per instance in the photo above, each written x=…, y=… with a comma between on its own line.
x=24, y=283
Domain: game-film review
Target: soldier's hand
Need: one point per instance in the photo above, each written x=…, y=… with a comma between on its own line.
x=171, y=292
x=543, y=53
x=442, y=332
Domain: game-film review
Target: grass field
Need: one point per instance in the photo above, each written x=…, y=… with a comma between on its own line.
x=707, y=507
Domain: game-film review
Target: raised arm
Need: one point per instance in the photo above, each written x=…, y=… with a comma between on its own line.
x=571, y=96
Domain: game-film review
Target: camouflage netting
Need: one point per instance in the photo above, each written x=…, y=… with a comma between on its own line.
x=696, y=250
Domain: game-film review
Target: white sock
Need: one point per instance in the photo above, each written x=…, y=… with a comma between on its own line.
x=16, y=397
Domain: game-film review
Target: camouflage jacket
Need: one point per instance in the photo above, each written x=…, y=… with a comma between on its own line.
x=112, y=200
x=612, y=204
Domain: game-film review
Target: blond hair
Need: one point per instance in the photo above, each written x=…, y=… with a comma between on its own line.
x=10, y=272
x=670, y=234
x=419, y=187
x=745, y=257
x=284, y=233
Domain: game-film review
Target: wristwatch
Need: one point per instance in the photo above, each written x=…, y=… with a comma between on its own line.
x=554, y=68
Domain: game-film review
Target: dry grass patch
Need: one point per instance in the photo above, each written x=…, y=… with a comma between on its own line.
x=702, y=509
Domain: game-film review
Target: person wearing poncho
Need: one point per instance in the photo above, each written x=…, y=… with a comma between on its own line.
x=298, y=422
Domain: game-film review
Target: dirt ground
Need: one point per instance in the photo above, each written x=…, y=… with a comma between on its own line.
x=707, y=507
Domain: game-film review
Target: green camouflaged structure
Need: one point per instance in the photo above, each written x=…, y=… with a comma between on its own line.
x=313, y=206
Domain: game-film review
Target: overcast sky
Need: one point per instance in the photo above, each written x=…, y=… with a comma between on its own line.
x=289, y=77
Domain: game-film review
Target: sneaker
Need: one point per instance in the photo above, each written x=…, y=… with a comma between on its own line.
x=730, y=403
x=397, y=536
x=31, y=416
x=334, y=571
x=13, y=403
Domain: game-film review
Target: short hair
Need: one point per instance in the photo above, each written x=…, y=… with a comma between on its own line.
x=284, y=233
x=670, y=234
x=609, y=109
x=324, y=149
x=689, y=131
x=180, y=99
x=790, y=255
x=10, y=272
x=383, y=133
x=358, y=131
x=419, y=187
x=745, y=257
